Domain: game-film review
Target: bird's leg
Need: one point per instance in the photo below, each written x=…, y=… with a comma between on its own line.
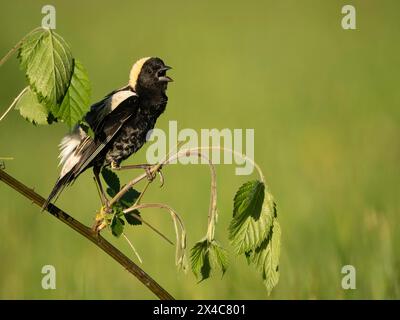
x=100, y=219
x=103, y=197
x=147, y=167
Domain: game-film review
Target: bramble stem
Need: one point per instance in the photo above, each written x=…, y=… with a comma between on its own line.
x=17, y=46
x=139, y=218
x=13, y=103
x=97, y=239
x=180, y=237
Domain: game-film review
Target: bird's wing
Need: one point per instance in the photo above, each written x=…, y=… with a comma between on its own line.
x=98, y=111
x=78, y=149
x=113, y=112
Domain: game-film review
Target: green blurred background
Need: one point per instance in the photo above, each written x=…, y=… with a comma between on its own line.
x=324, y=103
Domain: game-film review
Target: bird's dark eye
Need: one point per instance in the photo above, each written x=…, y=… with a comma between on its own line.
x=149, y=71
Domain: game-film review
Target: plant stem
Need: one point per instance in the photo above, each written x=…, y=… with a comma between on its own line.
x=97, y=239
x=139, y=218
x=16, y=47
x=212, y=211
x=13, y=103
x=246, y=158
x=180, y=236
x=126, y=188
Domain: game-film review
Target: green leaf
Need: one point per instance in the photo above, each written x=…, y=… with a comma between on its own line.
x=112, y=181
x=131, y=219
x=248, y=199
x=117, y=226
x=31, y=109
x=129, y=198
x=266, y=257
x=199, y=260
x=48, y=64
x=252, y=217
x=218, y=257
x=255, y=232
x=207, y=256
x=76, y=101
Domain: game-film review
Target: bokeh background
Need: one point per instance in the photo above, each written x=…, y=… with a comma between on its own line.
x=325, y=106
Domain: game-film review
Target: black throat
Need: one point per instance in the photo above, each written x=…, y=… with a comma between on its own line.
x=151, y=98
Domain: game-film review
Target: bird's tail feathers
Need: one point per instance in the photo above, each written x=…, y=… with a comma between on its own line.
x=61, y=183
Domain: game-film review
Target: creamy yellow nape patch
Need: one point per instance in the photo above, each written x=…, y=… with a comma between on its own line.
x=135, y=71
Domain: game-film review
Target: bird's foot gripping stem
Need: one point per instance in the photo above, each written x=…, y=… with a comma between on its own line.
x=150, y=172
x=151, y=175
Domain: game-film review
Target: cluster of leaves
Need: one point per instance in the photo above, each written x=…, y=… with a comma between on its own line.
x=118, y=218
x=207, y=256
x=59, y=88
x=254, y=232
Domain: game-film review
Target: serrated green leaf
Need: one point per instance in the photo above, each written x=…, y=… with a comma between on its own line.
x=129, y=198
x=218, y=257
x=248, y=199
x=117, y=226
x=48, y=64
x=111, y=180
x=252, y=217
x=266, y=257
x=206, y=257
x=131, y=219
x=199, y=260
x=126, y=201
x=31, y=109
x=76, y=101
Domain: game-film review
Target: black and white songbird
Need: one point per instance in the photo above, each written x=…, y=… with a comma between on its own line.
x=120, y=123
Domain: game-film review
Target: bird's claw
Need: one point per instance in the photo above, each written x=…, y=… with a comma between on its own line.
x=115, y=166
x=152, y=175
x=161, y=177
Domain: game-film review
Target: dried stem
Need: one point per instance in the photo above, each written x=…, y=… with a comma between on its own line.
x=17, y=46
x=244, y=157
x=212, y=214
x=97, y=239
x=139, y=218
x=126, y=188
x=180, y=236
x=13, y=103
x=133, y=248
x=212, y=211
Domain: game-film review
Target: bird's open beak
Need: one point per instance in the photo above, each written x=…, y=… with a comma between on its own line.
x=163, y=77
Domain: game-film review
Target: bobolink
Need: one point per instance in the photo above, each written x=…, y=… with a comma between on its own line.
x=120, y=123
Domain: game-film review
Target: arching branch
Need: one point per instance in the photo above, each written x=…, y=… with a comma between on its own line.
x=97, y=239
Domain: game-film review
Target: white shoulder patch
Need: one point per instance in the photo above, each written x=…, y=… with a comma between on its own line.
x=116, y=99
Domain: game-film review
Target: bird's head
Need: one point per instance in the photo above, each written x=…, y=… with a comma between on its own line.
x=149, y=75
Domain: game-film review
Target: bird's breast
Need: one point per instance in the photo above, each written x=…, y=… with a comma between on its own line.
x=132, y=135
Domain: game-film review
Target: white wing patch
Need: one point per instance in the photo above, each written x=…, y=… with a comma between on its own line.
x=111, y=103
x=115, y=100
x=69, y=144
x=72, y=144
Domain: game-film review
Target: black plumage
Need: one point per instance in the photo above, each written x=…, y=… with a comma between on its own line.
x=120, y=123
